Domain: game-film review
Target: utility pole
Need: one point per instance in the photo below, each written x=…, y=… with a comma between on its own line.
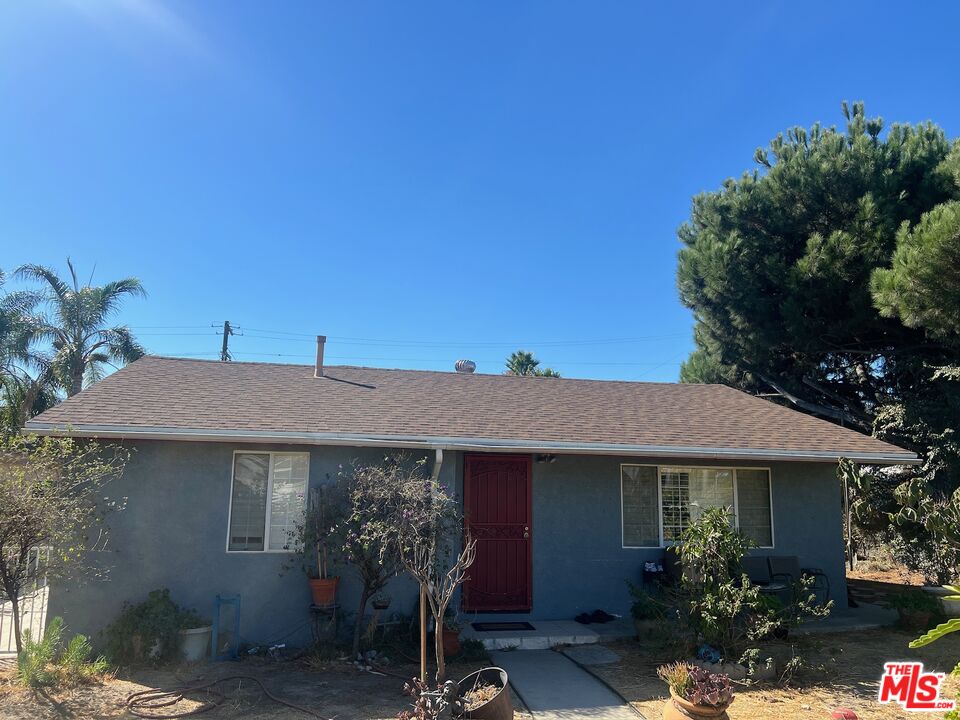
x=224, y=350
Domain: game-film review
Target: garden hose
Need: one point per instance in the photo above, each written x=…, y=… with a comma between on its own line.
x=144, y=703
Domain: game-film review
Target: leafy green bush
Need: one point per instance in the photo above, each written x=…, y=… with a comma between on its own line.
x=75, y=664
x=916, y=601
x=722, y=607
x=472, y=650
x=47, y=663
x=645, y=606
x=148, y=631
x=35, y=661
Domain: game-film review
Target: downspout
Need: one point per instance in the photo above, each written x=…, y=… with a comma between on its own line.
x=437, y=465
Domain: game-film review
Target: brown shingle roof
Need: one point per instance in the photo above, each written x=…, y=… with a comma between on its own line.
x=158, y=396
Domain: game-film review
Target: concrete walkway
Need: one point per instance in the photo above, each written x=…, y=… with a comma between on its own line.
x=555, y=688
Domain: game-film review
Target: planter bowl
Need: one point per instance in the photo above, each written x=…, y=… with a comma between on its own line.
x=676, y=708
x=500, y=706
x=324, y=591
x=195, y=643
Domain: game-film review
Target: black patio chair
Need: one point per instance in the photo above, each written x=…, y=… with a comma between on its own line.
x=787, y=568
x=757, y=569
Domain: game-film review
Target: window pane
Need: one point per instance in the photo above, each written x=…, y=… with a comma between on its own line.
x=687, y=492
x=753, y=499
x=675, y=493
x=709, y=488
x=288, y=498
x=641, y=527
x=248, y=504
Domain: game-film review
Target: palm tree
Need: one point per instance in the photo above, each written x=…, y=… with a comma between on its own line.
x=21, y=394
x=524, y=363
x=77, y=327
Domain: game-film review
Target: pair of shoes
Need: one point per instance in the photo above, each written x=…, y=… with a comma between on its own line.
x=597, y=616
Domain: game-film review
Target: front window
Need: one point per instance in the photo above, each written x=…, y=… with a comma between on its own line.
x=267, y=499
x=660, y=502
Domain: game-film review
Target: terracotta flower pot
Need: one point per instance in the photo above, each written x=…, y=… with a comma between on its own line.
x=451, y=642
x=676, y=708
x=324, y=590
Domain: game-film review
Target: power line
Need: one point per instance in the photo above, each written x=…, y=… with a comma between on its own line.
x=393, y=342
x=342, y=340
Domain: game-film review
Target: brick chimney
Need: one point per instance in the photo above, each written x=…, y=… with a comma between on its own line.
x=321, y=341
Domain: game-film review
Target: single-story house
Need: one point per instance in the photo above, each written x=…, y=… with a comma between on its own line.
x=568, y=485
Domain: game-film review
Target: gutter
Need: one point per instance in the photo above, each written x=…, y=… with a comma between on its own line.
x=427, y=442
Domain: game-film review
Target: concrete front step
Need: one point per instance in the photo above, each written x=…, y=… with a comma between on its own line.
x=549, y=633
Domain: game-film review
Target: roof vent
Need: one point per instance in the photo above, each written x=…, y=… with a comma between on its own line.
x=465, y=366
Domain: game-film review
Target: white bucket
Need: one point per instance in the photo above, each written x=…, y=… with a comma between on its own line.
x=195, y=643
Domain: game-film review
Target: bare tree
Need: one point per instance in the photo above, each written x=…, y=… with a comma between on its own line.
x=51, y=501
x=417, y=518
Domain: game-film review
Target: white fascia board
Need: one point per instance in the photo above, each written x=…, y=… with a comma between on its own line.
x=128, y=432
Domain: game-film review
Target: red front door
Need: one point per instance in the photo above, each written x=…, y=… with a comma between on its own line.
x=497, y=513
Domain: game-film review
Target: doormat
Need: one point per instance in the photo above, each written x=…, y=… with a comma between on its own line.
x=499, y=626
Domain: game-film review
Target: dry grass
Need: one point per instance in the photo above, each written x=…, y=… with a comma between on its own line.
x=479, y=695
x=844, y=671
x=885, y=572
x=335, y=690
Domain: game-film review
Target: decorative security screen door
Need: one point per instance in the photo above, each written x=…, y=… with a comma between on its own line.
x=497, y=510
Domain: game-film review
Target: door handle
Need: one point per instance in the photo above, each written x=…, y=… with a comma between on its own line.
x=526, y=533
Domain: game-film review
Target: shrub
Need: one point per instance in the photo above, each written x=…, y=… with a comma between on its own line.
x=916, y=601
x=75, y=663
x=35, y=660
x=47, y=662
x=722, y=607
x=148, y=631
x=472, y=650
x=645, y=606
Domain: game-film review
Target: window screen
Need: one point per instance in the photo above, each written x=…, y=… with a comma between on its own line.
x=641, y=521
x=248, y=503
x=287, y=498
x=753, y=502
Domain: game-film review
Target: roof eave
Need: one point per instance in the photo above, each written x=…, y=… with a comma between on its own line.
x=128, y=432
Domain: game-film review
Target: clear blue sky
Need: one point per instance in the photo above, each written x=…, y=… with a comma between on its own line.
x=449, y=179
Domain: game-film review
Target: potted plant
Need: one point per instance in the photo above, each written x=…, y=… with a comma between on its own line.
x=451, y=634
x=916, y=608
x=695, y=692
x=381, y=602
x=485, y=695
x=648, y=614
x=195, y=633
x=317, y=543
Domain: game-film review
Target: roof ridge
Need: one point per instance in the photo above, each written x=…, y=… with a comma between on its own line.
x=433, y=372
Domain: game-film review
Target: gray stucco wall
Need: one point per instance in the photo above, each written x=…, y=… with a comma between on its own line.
x=173, y=534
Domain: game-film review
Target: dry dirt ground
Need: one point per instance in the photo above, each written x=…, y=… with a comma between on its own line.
x=335, y=690
x=885, y=572
x=844, y=671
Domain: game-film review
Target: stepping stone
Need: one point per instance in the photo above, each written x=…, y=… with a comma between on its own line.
x=591, y=655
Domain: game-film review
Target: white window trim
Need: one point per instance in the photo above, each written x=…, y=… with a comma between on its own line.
x=266, y=523
x=736, y=500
